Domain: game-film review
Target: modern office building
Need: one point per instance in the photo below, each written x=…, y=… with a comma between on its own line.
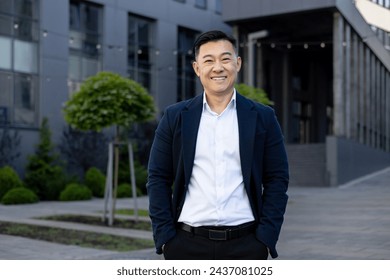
x=48, y=47
x=326, y=65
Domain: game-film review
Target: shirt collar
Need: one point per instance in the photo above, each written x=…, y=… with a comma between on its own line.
x=231, y=103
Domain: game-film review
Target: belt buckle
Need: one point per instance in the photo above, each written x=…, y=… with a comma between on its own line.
x=218, y=234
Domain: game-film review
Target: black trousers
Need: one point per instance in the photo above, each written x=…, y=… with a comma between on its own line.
x=187, y=246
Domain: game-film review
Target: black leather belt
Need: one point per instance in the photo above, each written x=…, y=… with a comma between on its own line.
x=220, y=233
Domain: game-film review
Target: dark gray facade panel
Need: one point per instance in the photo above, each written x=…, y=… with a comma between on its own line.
x=348, y=160
x=235, y=10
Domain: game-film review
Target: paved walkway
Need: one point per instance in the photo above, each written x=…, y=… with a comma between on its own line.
x=346, y=222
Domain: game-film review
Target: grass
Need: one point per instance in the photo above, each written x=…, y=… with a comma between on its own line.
x=92, y=220
x=81, y=238
x=141, y=212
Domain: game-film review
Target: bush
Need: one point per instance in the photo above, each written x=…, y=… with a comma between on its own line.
x=95, y=180
x=75, y=191
x=141, y=174
x=9, y=179
x=46, y=181
x=256, y=94
x=19, y=195
x=125, y=190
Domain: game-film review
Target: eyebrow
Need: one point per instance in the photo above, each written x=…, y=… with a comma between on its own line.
x=225, y=53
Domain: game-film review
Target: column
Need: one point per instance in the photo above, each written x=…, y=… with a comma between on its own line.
x=367, y=96
x=347, y=82
x=361, y=118
x=373, y=100
x=354, y=87
x=387, y=110
x=286, y=96
x=338, y=70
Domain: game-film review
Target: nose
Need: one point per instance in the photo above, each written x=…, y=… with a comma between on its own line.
x=218, y=66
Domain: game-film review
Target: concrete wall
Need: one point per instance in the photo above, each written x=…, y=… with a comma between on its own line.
x=347, y=160
x=307, y=164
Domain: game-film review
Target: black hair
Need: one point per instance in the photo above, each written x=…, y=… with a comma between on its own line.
x=211, y=36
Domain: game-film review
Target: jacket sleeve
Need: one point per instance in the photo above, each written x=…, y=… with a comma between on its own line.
x=160, y=180
x=275, y=183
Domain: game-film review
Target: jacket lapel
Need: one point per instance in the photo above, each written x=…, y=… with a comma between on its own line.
x=246, y=128
x=190, y=124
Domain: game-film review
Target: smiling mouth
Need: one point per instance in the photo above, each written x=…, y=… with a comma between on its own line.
x=219, y=78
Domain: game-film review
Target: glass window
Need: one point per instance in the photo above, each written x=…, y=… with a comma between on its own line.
x=6, y=25
x=26, y=8
x=218, y=6
x=19, y=36
x=26, y=29
x=25, y=99
x=85, y=21
x=140, y=47
x=6, y=6
x=6, y=82
x=74, y=68
x=186, y=79
x=74, y=16
x=201, y=4
x=91, y=19
x=25, y=57
x=5, y=53
x=89, y=67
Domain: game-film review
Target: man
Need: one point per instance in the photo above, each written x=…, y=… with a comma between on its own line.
x=218, y=171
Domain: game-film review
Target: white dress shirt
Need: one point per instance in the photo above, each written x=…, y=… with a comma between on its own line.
x=216, y=195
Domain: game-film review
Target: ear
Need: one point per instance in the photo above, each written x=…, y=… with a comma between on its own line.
x=195, y=66
x=239, y=63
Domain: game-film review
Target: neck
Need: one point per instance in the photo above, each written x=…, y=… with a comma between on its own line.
x=218, y=103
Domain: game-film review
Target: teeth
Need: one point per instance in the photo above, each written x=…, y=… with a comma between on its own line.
x=220, y=78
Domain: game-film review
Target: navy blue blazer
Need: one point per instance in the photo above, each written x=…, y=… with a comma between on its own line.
x=263, y=162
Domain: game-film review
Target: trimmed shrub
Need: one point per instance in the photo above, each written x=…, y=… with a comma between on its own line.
x=141, y=174
x=19, y=195
x=75, y=191
x=256, y=94
x=95, y=180
x=46, y=181
x=124, y=190
x=9, y=179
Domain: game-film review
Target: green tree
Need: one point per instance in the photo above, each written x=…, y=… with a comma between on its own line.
x=108, y=99
x=44, y=174
x=256, y=94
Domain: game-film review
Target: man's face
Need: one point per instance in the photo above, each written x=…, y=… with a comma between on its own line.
x=217, y=66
